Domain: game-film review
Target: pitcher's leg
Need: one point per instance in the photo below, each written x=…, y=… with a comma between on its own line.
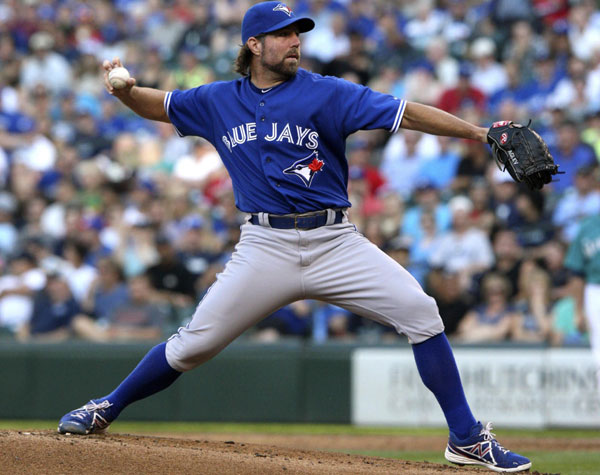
x=261, y=277
x=371, y=284
x=151, y=375
x=351, y=272
x=437, y=368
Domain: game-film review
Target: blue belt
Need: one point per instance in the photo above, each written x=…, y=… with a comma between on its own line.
x=299, y=221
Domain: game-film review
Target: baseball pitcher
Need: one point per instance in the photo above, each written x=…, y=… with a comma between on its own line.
x=280, y=131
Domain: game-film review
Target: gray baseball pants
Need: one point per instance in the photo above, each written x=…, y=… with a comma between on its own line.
x=271, y=268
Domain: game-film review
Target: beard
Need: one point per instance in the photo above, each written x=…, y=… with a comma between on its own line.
x=284, y=68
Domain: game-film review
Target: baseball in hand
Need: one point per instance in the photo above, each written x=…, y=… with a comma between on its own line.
x=117, y=77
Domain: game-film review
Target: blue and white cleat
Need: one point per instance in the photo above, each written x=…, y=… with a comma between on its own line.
x=93, y=418
x=481, y=448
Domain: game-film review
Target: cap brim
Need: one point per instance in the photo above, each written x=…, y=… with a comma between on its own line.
x=304, y=24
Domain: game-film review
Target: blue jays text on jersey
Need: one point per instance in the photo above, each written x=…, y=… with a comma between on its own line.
x=247, y=132
x=284, y=147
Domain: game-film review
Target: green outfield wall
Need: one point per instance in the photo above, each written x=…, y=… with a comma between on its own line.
x=289, y=382
x=518, y=385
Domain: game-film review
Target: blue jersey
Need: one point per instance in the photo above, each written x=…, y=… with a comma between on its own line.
x=284, y=147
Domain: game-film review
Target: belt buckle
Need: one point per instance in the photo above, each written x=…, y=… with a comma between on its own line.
x=296, y=222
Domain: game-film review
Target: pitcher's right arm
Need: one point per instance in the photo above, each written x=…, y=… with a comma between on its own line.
x=144, y=101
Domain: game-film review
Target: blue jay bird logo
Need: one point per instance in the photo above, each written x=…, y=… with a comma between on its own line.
x=306, y=168
x=283, y=8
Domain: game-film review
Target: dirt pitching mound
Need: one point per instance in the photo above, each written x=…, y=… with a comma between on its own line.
x=49, y=452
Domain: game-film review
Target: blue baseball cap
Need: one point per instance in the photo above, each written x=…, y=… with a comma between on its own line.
x=267, y=17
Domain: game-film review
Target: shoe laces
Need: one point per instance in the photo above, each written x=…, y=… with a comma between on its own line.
x=93, y=406
x=487, y=434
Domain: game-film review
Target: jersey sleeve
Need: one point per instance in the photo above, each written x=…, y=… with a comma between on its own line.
x=575, y=260
x=187, y=111
x=363, y=108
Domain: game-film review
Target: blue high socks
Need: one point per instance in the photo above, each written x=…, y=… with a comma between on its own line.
x=151, y=375
x=439, y=373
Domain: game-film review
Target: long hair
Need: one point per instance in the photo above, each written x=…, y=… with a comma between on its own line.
x=241, y=65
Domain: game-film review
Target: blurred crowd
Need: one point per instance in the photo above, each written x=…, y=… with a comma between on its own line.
x=112, y=227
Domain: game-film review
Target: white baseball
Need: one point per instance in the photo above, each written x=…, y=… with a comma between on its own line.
x=117, y=77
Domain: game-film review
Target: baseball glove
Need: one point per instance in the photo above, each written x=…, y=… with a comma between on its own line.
x=522, y=152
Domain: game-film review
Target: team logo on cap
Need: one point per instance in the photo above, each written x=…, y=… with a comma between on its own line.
x=283, y=8
x=306, y=168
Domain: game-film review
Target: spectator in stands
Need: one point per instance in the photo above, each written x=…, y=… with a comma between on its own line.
x=584, y=35
x=198, y=248
x=463, y=249
x=464, y=95
x=171, y=280
x=474, y=164
x=136, y=250
x=89, y=236
x=401, y=171
x=332, y=322
x=422, y=248
x=54, y=308
x=571, y=93
x=8, y=231
x=591, y=131
x=582, y=200
x=427, y=200
x=425, y=25
x=330, y=41
x=366, y=205
x=32, y=211
x=458, y=27
x=572, y=154
x=492, y=320
x=513, y=91
x=440, y=171
x=392, y=213
x=533, y=321
x=198, y=35
x=521, y=51
x=17, y=288
x=505, y=13
x=421, y=85
x=138, y=319
x=504, y=198
x=78, y=274
x=190, y=72
x=356, y=61
x=445, y=67
x=399, y=248
x=195, y=170
x=52, y=220
x=45, y=63
x=453, y=304
x=107, y=292
x=360, y=156
x=553, y=256
x=534, y=228
x=508, y=263
x=4, y=166
x=489, y=76
x=291, y=320
x=393, y=47
x=87, y=139
x=482, y=216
